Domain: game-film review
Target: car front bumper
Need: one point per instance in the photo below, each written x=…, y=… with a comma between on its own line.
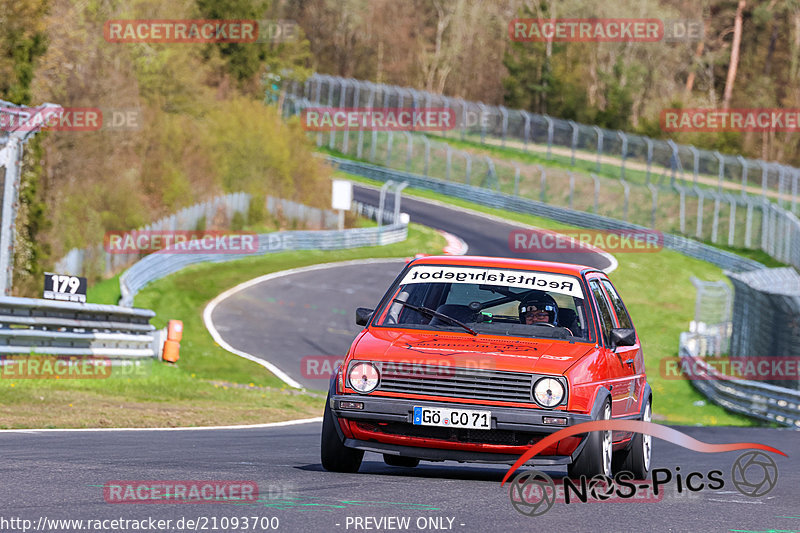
x=384, y=425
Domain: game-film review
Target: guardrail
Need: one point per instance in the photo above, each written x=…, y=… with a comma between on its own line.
x=751, y=398
x=491, y=198
x=163, y=263
x=29, y=325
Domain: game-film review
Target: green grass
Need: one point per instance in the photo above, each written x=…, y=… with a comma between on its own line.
x=661, y=299
x=208, y=385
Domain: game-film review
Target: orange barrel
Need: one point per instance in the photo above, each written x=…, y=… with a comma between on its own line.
x=171, y=350
x=175, y=330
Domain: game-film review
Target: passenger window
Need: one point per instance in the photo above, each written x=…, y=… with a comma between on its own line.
x=606, y=319
x=622, y=313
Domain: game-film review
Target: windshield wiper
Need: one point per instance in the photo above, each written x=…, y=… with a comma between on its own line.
x=432, y=313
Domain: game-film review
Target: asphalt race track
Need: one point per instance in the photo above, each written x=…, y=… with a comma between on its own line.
x=318, y=306
x=60, y=475
x=309, y=316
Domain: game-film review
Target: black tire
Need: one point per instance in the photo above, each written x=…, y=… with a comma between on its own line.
x=595, y=457
x=636, y=458
x=399, y=460
x=336, y=457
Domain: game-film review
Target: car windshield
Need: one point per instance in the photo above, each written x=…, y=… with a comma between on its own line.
x=519, y=303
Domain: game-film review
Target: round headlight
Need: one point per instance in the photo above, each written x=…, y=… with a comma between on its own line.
x=548, y=392
x=363, y=377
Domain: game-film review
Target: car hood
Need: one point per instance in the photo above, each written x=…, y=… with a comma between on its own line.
x=514, y=354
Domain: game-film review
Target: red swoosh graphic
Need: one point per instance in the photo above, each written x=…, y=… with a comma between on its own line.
x=636, y=426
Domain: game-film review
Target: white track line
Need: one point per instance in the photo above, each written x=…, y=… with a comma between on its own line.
x=611, y=259
x=199, y=428
x=280, y=374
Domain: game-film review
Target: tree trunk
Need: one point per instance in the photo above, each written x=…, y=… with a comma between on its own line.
x=734, y=64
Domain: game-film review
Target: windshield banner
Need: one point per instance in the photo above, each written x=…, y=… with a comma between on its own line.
x=490, y=276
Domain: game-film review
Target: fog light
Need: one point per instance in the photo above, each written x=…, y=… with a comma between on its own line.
x=351, y=405
x=554, y=420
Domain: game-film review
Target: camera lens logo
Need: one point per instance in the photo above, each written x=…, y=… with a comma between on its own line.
x=754, y=474
x=532, y=493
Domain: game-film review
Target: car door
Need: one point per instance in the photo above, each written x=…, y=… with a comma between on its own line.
x=619, y=378
x=631, y=356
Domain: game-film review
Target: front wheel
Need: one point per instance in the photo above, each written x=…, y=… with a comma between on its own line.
x=336, y=457
x=636, y=459
x=595, y=457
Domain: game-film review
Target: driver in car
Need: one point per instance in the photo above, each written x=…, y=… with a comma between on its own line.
x=538, y=308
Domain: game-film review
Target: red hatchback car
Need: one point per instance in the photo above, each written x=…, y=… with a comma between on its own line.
x=475, y=359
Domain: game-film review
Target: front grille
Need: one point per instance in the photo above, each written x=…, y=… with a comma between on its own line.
x=469, y=383
x=471, y=436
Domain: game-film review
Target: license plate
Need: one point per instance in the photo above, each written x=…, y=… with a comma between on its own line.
x=457, y=418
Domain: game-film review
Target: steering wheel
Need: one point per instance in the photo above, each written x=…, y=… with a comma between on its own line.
x=543, y=324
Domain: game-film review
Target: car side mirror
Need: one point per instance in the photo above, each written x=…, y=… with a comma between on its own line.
x=623, y=337
x=363, y=315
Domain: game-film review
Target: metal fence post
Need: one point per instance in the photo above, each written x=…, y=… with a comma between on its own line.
x=484, y=113
x=674, y=160
x=491, y=174
x=526, y=129
x=382, y=200
x=721, y=170
x=649, y=144
x=742, y=161
x=700, y=197
x=748, y=225
x=696, y=164
x=654, y=194
x=732, y=222
x=599, y=133
x=624, y=139
x=370, y=102
x=781, y=180
x=468, y=159
x=764, y=177
x=574, y=140
x=397, y=192
x=550, y=127
x=504, y=113
x=516, y=178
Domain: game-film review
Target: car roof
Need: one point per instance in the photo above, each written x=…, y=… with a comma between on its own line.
x=503, y=262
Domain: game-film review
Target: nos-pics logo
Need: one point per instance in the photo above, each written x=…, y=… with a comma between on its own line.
x=533, y=493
